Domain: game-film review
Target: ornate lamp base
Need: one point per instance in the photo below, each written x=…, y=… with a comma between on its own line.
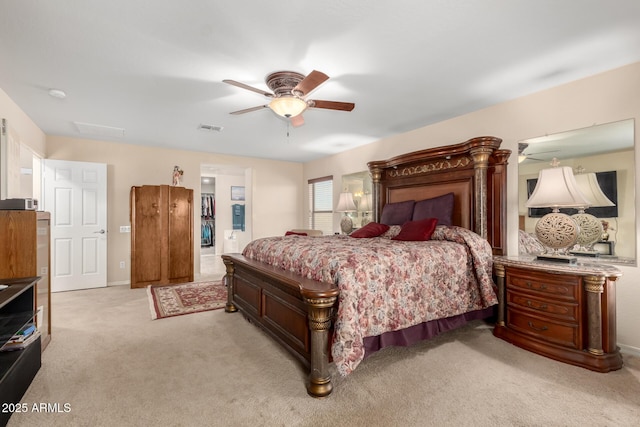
x=557, y=231
x=346, y=224
x=590, y=232
x=366, y=219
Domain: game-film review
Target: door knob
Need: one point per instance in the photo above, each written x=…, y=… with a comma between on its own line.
x=100, y=232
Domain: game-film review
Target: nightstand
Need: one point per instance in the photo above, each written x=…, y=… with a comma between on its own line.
x=565, y=312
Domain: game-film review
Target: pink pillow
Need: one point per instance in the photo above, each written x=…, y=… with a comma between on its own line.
x=417, y=230
x=293, y=233
x=373, y=229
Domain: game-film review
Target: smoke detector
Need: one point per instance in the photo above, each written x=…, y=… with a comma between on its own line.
x=57, y=93
x=210, y=128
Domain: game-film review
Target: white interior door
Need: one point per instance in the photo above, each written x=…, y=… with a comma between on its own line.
x=75, y=193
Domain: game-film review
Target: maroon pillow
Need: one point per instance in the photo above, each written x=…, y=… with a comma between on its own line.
x=440, y=207
x=397, y=213
x=417, y=230
x=293, y=233
x=373, y=229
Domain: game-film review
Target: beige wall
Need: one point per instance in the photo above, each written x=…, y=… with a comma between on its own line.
x=129, y=165
x=22, y=137
x=29, y=134
x=604, y=98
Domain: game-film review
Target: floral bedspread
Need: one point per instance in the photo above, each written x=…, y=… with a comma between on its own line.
x=387, y=285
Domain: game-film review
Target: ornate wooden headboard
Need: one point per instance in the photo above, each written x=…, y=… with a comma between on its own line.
x=475, y=171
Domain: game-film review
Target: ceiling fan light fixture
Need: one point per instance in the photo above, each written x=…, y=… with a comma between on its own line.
x=288, y=106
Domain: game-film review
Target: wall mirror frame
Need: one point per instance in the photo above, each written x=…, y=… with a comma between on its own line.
x=607, y=147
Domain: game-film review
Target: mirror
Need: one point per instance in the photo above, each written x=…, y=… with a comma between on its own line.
x=608, y=151
x=359, y=184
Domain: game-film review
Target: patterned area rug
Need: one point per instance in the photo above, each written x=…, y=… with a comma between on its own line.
x=176, y=300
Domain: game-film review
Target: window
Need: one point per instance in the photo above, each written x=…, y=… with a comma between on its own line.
x=321, y=204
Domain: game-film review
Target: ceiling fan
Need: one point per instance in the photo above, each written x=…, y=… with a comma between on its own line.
x=522, y=156
x=290, y=90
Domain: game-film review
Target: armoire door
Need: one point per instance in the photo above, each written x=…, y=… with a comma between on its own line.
x=147, y=217
x=18, y=244
x=180, y=235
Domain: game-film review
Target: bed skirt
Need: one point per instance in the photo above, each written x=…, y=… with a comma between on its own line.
x=424, y=331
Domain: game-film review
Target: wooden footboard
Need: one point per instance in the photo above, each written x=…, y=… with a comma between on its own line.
x=296, y=311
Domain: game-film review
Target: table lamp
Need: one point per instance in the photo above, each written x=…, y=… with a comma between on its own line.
x=365, y=208
x=590, y=227
x=557, y=188
x=346, y=205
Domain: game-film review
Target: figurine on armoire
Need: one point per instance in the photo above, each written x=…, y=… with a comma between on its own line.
x=177, y=176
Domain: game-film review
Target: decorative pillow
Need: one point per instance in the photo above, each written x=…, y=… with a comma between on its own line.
x=440, y=207
x=392, y=232
x=397, y=213
x=293, y=233
x=372, y=229
x=417, y=230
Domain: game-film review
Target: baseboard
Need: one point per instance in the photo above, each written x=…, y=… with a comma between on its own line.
x=119, y=283
x=631, y=351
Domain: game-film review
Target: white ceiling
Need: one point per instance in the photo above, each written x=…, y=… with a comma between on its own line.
x=155, y=68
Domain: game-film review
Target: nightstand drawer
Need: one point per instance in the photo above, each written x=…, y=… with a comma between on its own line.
x=566, y=287
x=568, y=312
x=565, y=335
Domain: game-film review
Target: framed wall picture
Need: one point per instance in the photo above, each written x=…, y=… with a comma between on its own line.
x=237, y=193
x=604, y=247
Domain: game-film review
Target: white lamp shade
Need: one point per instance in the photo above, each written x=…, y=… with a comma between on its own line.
x=345, y=203
x=365, y=203
x=557, y=188
x=288, y=106
x=588, y=184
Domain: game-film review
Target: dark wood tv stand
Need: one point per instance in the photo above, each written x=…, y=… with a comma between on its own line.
x=19, y=367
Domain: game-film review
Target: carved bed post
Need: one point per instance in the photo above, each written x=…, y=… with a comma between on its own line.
x=480, y=164
x=320, y=315
x=228, y=281
x=376, y=173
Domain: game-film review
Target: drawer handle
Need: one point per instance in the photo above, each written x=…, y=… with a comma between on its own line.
x=542, y=286
x=539, y=307
x=531, y=325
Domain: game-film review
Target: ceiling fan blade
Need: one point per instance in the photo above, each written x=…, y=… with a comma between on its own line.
x=522, y=146
x=251, y=88
x=297, y=120
x=248, y=110
x=332, y=105
x=543, y=152
x=309, y=83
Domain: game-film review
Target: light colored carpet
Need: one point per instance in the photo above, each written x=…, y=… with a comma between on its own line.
x=116, y=367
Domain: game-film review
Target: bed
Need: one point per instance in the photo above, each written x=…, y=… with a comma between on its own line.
x=305, y=292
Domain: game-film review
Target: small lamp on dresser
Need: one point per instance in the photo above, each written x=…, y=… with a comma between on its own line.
x=591, y=229
x=346, y=205
x=365, y=208
x=557, y=188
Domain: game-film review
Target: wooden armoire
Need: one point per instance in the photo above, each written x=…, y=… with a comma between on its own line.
x=25, y=252
x=161, y=235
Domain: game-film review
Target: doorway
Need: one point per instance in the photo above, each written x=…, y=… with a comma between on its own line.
x=225, y=190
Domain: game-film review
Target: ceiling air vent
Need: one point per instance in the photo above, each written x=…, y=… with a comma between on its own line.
x=99, y=130
x=210, y=128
